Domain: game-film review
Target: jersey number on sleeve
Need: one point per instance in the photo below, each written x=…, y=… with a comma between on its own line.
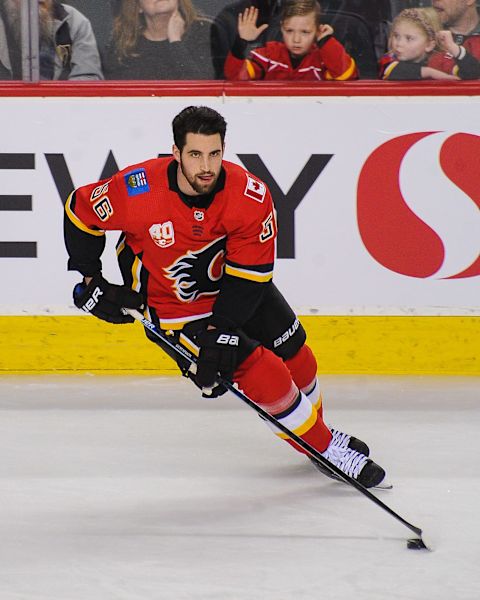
x=103, y=209
x=267, y=229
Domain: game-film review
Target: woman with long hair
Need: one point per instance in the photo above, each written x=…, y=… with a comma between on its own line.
x=159, y=39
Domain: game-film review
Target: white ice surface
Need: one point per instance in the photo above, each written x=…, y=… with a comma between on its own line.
x=137, y=489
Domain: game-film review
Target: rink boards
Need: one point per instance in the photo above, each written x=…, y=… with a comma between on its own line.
x=378, y=213
x=368, y=344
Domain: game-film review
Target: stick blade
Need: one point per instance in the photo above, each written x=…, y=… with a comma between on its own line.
x=419, y=544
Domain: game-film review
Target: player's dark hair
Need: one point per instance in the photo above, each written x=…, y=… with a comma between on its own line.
x=197, y=119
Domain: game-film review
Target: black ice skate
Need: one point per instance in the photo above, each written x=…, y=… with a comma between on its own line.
x=350, y=455
x=342, y=440
x=353, y=463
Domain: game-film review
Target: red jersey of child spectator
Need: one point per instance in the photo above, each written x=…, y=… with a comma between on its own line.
x=327, y=62
x=467, y=67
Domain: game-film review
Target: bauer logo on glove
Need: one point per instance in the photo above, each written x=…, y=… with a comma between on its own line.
x=226, y=338
x=93, y=300
x=106, y=300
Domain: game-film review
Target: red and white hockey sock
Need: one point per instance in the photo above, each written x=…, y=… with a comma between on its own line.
x=265, y=378
x=303, y=367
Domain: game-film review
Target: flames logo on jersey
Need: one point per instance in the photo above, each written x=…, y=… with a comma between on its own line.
x=197, y=273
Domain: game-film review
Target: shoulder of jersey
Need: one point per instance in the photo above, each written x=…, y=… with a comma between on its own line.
x=137, y=179
x=242, y=181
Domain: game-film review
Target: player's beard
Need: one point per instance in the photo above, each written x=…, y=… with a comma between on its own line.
x=197, y=184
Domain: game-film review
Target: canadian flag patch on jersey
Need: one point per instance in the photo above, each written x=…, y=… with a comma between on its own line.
x=255, y=189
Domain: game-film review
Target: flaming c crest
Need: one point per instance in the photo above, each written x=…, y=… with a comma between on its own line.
x=197, y=273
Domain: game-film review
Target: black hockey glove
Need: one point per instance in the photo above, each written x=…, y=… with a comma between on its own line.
x=218, y=356
x=105, y=300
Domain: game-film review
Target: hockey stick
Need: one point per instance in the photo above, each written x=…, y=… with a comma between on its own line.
x=415, y=543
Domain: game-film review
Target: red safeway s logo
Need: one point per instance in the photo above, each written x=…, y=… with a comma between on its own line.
x=418, y=205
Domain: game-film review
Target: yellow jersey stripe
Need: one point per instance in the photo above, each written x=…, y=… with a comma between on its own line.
x=250, y=69
x=389, y=69
x=306, y=426
x=76, y=221
x=345, y=75
x=248, y=274
x=176, y=324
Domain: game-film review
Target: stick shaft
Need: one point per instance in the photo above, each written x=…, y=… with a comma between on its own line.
x=184, y=353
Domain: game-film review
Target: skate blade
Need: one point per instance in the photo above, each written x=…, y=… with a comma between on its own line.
x=383, y=485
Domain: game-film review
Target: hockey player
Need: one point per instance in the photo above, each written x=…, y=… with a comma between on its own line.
x=197, y=252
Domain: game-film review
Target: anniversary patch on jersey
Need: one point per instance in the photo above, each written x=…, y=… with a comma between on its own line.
x=197, y=273
x=136, y=182
x=255, y=189
x=162, y=234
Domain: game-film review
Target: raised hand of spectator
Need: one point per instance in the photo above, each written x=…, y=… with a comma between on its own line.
x=247, y=25
x=176, y=27
x=324, y=30
x=446, y=43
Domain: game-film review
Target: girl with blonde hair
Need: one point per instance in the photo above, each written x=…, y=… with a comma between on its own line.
x=412, y=45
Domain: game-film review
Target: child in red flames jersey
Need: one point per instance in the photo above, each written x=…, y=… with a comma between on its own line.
x=412, y=54
x=309, y=52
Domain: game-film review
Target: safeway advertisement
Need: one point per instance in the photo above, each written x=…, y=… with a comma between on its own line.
x=377, y=199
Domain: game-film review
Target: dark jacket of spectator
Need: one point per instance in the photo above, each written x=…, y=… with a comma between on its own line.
x=467, y=63
x=188, y=59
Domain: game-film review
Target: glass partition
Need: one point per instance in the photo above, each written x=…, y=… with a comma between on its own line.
x=43, y=40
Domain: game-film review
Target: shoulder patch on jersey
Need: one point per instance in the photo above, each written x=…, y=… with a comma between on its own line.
x=255, y=189
x=136, y=182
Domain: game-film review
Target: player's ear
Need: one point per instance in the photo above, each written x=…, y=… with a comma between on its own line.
x=176, y=153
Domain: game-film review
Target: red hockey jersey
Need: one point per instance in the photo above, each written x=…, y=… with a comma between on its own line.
x=272, y=62
x=182, y=251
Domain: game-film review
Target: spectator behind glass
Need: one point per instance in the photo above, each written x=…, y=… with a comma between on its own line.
x=412, y=43
x=460, y=37
x=308, y=52
x=225, y=28
x=68, y=49
x=159, y=39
